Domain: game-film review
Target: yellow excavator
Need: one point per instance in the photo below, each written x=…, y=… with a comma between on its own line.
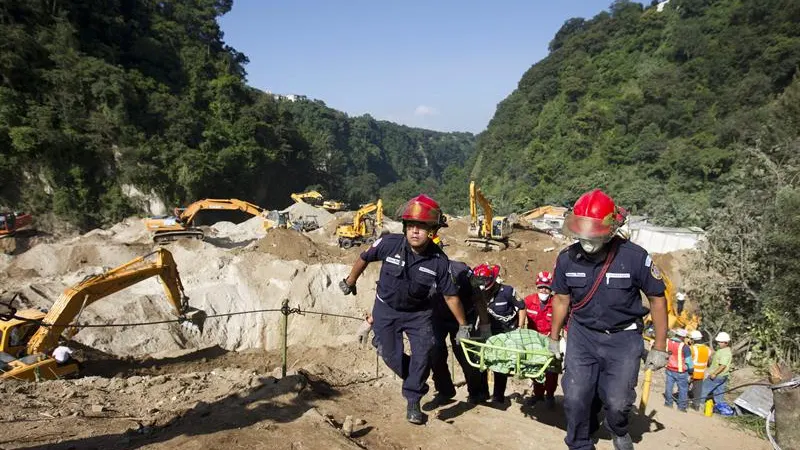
x=683, y=319
x=316, y=199
x=364, y=229
x=180, y=225
x=28, y=337
x=487, y=232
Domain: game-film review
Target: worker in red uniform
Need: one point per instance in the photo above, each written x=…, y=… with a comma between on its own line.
x=539, y=312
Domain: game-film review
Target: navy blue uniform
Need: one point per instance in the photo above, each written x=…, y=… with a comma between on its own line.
x=444, y=326
x=407, y=287
x=604, y=345
x=503, y=308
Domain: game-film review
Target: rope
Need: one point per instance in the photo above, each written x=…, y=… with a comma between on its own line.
x=161, y=322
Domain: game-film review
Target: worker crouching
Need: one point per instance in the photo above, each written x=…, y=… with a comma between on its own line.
x=413, y=272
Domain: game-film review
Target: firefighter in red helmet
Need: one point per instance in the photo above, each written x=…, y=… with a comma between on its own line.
x=539, y=312
x=599, y=280
x=414, y=273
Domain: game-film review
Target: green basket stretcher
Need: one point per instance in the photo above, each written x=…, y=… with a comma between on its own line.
x=521, y=353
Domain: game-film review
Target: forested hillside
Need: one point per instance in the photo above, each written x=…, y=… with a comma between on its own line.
x=97, y=97
x=650, y=105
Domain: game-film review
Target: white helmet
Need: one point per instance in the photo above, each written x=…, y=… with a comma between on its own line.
x=696, y=335
x=681, y=332
x=723, y=337
x=680, y=296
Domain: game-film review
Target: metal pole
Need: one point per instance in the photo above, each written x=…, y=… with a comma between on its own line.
x=284, y=332
x=377, y=363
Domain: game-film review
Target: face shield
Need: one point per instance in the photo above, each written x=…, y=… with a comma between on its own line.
x=592, y=233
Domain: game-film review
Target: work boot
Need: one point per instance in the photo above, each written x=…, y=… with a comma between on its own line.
x=550, y=402
x=623, y=442
x=414, y=415
x=477, y=398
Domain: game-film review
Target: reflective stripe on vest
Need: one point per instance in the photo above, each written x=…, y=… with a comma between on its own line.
x=676, y=362
x=700, y=354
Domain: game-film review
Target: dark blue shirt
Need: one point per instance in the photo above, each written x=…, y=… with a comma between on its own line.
x=618, y=301
x=459, y=273
x=409, y=281
x=504, y=308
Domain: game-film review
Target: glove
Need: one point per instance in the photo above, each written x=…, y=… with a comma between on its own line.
x=555, y=348
x=485, y=331
x=363, y=331
x=656, y=359
x=346, y=288
x=463, y=333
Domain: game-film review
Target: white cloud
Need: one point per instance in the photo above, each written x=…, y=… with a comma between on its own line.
x=423, y=110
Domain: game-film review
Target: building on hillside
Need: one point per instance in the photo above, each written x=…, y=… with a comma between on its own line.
x=657, y=239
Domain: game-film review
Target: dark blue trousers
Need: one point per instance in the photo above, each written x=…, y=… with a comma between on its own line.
x=389, y=326
x=445, y=330
x=599, y=366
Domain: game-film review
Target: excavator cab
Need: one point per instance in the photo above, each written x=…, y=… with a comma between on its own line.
x=487, y=231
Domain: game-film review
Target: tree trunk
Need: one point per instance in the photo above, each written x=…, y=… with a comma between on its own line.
x=787, y=409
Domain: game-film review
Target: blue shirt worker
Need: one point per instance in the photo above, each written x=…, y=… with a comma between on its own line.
x=597, y=283
x=413, y=272
x=445, y=328
x=506, y=313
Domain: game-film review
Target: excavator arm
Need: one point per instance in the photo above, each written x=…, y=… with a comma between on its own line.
x=159, y=263
x=187, y=215
x=301, y=197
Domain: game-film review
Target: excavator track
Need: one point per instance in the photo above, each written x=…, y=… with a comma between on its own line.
x=487, y=244
x=165, y=237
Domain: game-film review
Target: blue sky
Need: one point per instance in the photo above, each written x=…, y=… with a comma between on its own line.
x=438, y=64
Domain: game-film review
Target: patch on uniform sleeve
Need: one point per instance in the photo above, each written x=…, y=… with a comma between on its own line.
x=648, y=261
x=655, y=272
x=377, y=242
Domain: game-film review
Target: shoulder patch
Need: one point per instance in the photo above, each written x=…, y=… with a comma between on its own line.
x=655, y=272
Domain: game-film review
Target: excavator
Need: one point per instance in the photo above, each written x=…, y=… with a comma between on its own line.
x=281, y=219
x=364, y=229
x=316, y=199
x=487, y=232
x=683, y=319
x=12, y=222
x=180, y=225
x=27, y=337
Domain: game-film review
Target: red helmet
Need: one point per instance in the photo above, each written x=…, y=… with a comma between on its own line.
x=484, y=276
x=423, y=209
x=544, y=279
x=594, y=216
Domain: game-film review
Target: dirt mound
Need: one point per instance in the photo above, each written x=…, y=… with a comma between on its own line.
x=291, y=245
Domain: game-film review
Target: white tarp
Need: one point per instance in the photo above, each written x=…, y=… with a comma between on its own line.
x=664, y=239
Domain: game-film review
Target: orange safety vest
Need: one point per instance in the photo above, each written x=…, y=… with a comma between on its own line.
x=676, y=361
x=700, y=356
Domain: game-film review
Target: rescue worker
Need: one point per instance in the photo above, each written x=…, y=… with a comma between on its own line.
x=444, y=326
x=539, y=312
x=718, y=372
x=506, y=313
x=679, y=366
x=700, y=356
x=413, y=272
x=598, y=281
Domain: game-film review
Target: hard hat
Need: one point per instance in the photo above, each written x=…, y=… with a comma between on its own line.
x=723, y=337
x=484, y=276
x=696, y=335
x=544, y=279
x=594, y=216
x=681, y=332
x=424, y=209
x=680, y=296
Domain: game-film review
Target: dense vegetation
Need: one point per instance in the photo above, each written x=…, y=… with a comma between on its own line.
x=97, y=96
x=649, y=105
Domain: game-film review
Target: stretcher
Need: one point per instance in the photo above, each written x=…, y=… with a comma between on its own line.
x=521, y=353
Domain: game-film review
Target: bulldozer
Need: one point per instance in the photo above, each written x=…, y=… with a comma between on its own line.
x=315, y=198
x=487, y=231
x=364, y=229
x=181, y=224
x=27, y=337
x=281, y=219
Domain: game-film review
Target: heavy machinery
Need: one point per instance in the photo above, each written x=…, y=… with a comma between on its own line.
x=27, y=337
x=487, y=232
x=364, y=229
x=12, y=222
x=683, y=319
x=316, y=199
x=281, y=219
x=181, y=224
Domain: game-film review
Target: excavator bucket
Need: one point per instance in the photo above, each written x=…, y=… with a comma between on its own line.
x=193, y=320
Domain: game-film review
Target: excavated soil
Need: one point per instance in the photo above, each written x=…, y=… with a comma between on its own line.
x=164, y=386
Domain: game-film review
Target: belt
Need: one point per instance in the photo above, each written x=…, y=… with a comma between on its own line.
x=632, y=327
